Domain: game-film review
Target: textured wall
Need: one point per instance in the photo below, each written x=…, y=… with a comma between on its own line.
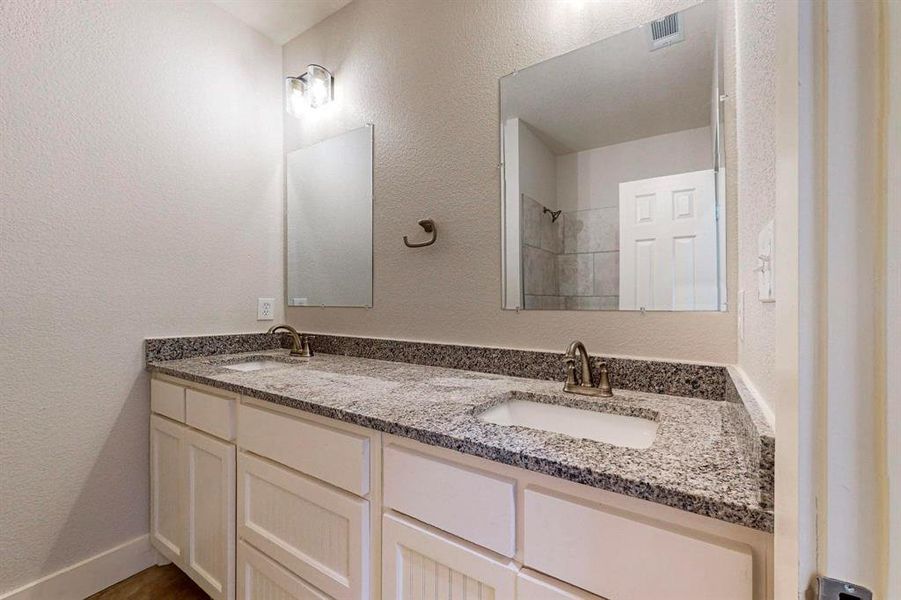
x=426, y=74
x=140, y=172
x=756, y=140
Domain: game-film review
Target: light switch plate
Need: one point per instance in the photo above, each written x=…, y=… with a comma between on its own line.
x=764, y=268
x=265, y=309
x=741, y=315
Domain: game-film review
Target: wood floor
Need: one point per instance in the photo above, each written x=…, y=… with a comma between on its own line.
x=155, y=583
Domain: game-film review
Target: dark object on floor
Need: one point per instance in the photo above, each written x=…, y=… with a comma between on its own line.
x=155, y=583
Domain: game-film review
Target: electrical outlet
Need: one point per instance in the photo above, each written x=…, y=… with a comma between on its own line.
x=265, y=309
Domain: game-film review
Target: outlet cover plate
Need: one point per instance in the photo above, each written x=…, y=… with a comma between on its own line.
x=265, y=309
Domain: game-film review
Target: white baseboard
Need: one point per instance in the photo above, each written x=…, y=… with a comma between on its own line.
x=91, y=575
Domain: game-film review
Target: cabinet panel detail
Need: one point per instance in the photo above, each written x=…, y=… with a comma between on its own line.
x=421, y=564
x=167, y=518
x=534, y=586
x=261, y=578
x=425, y=579
x=316, y=531
x=211, y=513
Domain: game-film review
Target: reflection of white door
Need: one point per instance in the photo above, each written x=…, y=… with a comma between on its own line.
x=667, y=233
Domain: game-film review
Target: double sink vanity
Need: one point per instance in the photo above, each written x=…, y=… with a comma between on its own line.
x=387, y=469
x=336, y=476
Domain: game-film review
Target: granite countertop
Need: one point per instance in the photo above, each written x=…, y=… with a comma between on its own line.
x=698, y=461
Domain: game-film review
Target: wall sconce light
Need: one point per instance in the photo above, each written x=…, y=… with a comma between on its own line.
x=311, y=89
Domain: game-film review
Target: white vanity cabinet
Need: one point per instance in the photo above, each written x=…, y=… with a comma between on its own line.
x=192, y=486
x=257, y=501
x=563, y=541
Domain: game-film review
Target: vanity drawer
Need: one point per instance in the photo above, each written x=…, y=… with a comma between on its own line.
x=610, y=554
x=314, y=530
x=210, y=413
x=260, y=577
x=334, y=456
x=167, y=399
x=473, y=505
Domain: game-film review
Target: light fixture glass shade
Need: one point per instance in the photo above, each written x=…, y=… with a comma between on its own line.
x=310, y=90
x=319, y=85
x=295, y=102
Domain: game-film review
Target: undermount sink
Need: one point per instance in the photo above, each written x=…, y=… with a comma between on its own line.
x=617, y=430
x=256, y=365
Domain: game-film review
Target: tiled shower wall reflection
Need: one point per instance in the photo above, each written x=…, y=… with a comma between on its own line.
x=572, y=263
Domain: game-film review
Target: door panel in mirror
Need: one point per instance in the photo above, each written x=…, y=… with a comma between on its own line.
x=612, y=195
x=329, y=222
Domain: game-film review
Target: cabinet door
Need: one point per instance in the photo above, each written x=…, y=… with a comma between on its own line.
x=167, y=516
x=420, y=564
x=261, y=578
x=210, y=507
x=313, y=529
x=534, y=586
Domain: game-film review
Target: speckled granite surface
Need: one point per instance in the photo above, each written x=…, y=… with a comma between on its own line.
x=759, y=435
x=699, y=461
x=175, y=348
x=659, y=377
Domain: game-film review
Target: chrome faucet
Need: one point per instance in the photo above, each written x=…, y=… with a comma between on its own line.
x=584, y=385
x=300, y=342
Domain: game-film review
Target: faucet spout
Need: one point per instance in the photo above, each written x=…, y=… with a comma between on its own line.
x=585, y=367
x=584, y=386
x=300, y=344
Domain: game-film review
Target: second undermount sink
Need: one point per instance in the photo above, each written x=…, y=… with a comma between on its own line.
x=255, y=365
x=617, y=430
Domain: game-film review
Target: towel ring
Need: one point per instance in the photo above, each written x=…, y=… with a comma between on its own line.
x=429, y=226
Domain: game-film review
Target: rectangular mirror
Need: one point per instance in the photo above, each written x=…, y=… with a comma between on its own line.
x=613, y=189
x=329, y=222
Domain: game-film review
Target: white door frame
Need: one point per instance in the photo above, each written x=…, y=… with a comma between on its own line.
x=834, y=294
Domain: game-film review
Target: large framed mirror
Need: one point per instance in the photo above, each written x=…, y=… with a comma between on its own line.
x=613, y=187
x=329, y=221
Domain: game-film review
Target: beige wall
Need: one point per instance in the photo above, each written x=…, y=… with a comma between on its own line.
x=590, y=179
x=141, y=170
x=425, y=73
x=537, y=168
x=756, y=149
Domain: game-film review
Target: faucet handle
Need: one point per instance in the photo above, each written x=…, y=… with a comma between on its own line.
x=305, y=339
x=604, y=382
x=570, y=362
